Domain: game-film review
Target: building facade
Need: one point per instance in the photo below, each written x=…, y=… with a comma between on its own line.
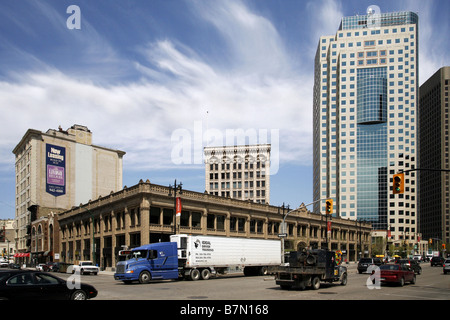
x=144, y=213
x=434, y=199
x=238, y=172
x=7, y=244
x=365, y=103
x=56, y=170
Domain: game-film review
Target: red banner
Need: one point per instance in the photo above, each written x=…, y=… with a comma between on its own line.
x=178, y=207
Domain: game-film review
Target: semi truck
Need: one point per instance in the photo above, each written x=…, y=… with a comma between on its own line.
x=197, y=257
x=307, y=268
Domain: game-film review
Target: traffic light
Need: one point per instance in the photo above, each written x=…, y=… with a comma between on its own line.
x=399, y=183
x=329, y=206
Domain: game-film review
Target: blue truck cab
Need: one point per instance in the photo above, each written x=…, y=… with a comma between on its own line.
x=149, y=262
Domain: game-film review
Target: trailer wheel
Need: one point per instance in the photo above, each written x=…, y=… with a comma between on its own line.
x=205, y=274
x=145, y=277
x=263, y=271
x=194, y=275
x=315, y=283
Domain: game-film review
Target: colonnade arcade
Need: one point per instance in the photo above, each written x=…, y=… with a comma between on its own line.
x=144, y=214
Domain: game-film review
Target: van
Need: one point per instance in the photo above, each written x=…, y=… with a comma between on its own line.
x=364, y=263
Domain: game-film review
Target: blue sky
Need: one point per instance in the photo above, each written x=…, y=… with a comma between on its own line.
x=161, y=79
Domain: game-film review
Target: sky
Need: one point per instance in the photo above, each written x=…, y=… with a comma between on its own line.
x=161, y=79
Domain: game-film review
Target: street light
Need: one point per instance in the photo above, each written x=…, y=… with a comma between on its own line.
x=284, y=233
x=175, y=188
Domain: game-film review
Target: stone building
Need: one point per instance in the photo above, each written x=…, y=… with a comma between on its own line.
x=57, y=170
x=144, y=213
x=239, y=172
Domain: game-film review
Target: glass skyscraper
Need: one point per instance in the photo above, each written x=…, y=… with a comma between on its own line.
x=365, y=101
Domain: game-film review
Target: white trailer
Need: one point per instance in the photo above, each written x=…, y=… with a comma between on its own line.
x=199, y=256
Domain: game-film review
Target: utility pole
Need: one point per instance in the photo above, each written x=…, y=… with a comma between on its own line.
x=175, y=188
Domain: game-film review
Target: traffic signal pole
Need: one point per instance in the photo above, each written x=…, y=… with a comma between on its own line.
x=424, y=169
x=399, y=178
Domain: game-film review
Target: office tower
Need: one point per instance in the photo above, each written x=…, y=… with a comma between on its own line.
x=365, y=101
x=238, y=172
x=434, y=199
x=59, y=169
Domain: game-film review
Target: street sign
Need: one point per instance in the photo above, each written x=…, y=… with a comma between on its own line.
x=282, y=235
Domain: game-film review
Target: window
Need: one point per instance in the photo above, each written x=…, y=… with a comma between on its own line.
x=46, y=279
x=21, y=279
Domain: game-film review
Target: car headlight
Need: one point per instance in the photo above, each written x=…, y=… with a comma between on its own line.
x=130, y=271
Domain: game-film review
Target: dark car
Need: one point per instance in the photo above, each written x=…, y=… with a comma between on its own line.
x=38, y=285
x=437, y=261
x=397, y=273
x=364, y=263
x=51, y=266
x=413, y=264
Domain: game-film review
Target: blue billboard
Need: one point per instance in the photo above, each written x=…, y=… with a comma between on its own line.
x=56, y=170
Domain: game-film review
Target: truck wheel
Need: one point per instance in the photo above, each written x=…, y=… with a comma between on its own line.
x=263, y=271
x=205, y=274
x=194, y=275
x=145, y=277
x=344, y=279
x=315, y=283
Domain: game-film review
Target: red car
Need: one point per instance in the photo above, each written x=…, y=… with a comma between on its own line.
x=397, y=273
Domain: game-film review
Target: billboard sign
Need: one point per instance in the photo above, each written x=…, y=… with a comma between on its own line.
x=55, y=160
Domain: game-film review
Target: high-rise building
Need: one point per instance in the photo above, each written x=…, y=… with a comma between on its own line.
x=57, y=170
x=238, y=172
x=434, y=186
x=365, y=121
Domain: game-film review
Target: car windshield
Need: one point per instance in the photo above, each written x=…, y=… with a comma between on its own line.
x=365, y=260
x=4, y=275
x=87, y=263
x=389, y=267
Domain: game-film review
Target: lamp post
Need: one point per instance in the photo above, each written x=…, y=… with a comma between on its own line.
x=284, y=233
x=175, y=188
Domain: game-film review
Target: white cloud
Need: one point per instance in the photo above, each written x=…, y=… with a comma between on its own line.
x=258, y=91
x=325, y=19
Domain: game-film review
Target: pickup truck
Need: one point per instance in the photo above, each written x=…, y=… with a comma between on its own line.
x=85, y=267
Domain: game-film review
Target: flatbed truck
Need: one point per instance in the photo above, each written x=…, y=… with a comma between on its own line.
x=308, y=268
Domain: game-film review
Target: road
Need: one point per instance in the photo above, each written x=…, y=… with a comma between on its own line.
x=432, y=284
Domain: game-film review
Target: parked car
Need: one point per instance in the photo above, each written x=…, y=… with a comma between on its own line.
x=4, y=264
x=437, y=261
x=14, y=266
x=446, y=266
x=41, y=267
x=364, y=263
x=397, y=273
x=50, y=266
x=413, y=264
x=418, y=257
x=37, y=285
